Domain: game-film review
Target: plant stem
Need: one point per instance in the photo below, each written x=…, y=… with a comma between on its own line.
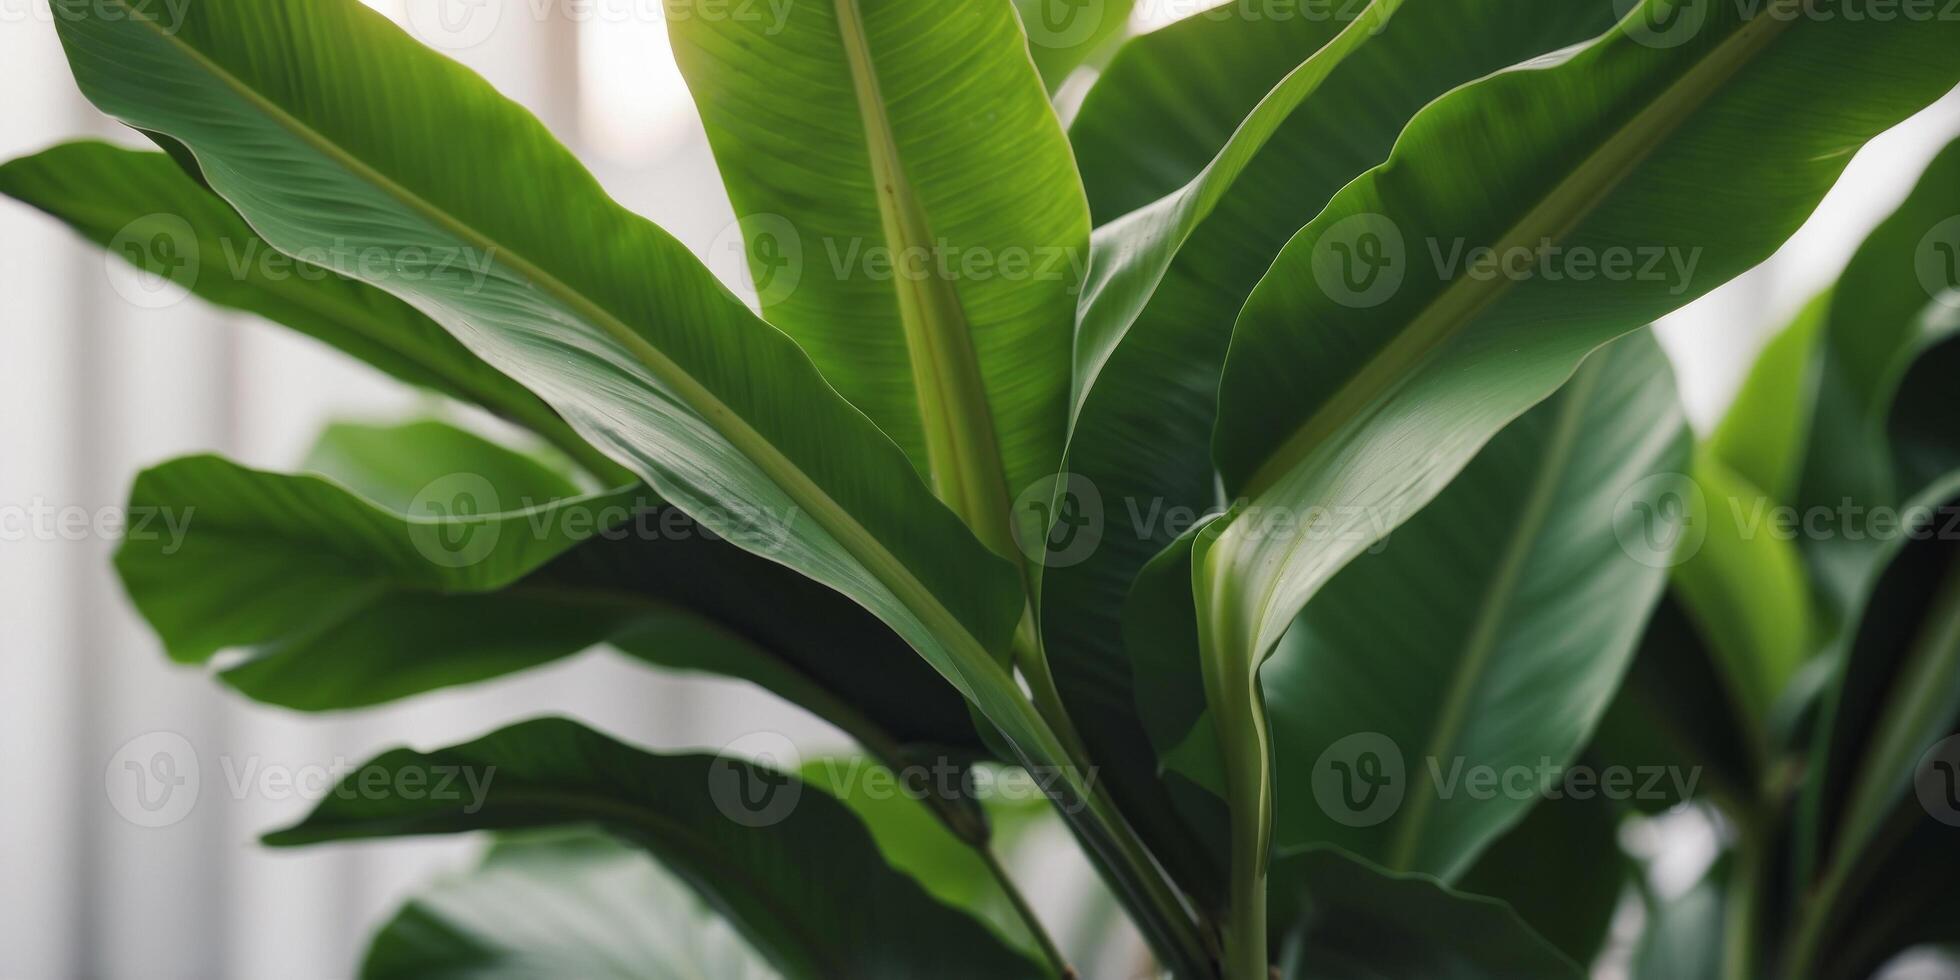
x=1032, y=657
x=1117, y=853
x=1740, y=914
x=1238, y=714
x=1027, y=914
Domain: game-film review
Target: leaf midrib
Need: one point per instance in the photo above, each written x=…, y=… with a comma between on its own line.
x=1555, y=215
x=963, y=452
x=834, y=518
x=1497, y=602
x=1558, y=212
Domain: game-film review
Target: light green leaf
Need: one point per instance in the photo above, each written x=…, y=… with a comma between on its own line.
x=332, y=132
x=913, y=219
x=794, y=871
x=145, y=209
x=1741, y=579
x=565, y=904
x=1762, y=436
x=1372, y=361
x=913, y=840
x=1353, y=921
x=1170, y=280
x=466, y=561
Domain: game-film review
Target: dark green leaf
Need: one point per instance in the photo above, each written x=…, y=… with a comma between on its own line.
x=1366, y=392
x=1561, y=870
x=1167, y=284
x=1358, y=922
x=398, y=593
x=792, y=868
x=335, y=135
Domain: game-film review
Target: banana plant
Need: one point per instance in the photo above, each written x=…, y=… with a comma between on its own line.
x=1250, y=467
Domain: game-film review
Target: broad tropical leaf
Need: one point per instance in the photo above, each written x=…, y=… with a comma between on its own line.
x=146, y=210
x=1169, y=280
x=1353, y=921
x=1380, y=351
x=1492, y=630
x=795, y=872
x=1398, y=660
x=565, y=904
x=1561, y=870
x=866, y=143
x=455, y=560
x=333, y=133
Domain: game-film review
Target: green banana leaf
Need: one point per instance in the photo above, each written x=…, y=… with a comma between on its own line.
x=378, y=582
x=1354, y=921
x=1372, y=363
x=331, y=131
x=1492, y=630
x=868, y=146
x=1398, y=660
x=791, y=868
x=1167, y=283
x=145, y=209
x=566, y=904
x=1562, y=871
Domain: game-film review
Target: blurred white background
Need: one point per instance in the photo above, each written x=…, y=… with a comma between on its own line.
x=93, y=388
